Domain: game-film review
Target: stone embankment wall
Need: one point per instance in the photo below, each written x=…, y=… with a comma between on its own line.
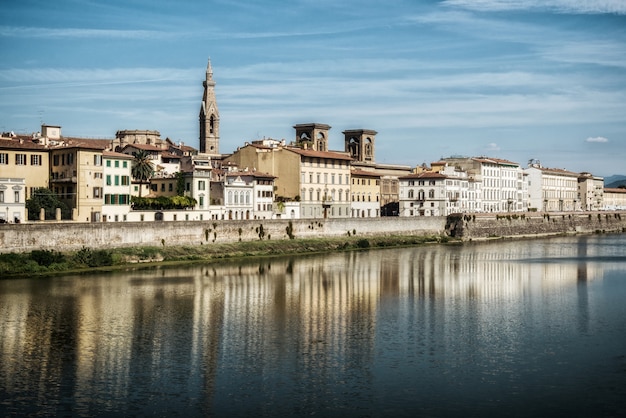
x=68, y=236
x=483, y=226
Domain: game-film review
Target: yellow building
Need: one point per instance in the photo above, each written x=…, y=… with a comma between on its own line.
x=365, y=193
x=76, y=176
x=23, y=158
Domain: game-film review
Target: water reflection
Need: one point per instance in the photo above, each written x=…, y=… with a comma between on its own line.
x=387, y=332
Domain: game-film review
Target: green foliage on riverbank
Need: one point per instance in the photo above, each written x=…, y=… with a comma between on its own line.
x=43, y=262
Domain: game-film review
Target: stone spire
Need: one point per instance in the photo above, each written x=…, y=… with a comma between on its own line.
x=209, y=116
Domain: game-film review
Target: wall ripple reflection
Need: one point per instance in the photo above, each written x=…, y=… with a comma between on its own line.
x=524, y=328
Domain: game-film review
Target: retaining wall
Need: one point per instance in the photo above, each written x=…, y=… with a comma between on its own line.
x=68, y=236
x=482, y=226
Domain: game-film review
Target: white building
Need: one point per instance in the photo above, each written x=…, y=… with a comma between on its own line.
x=552, y=189
x=422, y=194
x=117, y=186
x=12, y=200
x=591, y=192
x=502, y=186
x=249, y=195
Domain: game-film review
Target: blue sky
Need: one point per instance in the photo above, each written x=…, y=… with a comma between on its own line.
x=513, y=79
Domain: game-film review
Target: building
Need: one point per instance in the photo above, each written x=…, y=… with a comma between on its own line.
x=552, y=189
x=319, y=180
x=614, y=199
x=423, y=194
x=26, y=159
x=502, y=188
x=249, y=195
x=364, y=193
x=590, y=192
x=77, y=177
x=117, y=186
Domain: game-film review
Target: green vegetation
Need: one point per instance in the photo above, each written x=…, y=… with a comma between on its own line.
x=49, y=201
x=142, y=168
x=162, y=202
x=44, y=262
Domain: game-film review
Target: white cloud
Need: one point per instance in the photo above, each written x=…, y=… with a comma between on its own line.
x=492, y=147
x=39, y=32
x=599, y=139
x=557, y=6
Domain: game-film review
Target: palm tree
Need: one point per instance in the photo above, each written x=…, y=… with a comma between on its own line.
x=142, y=169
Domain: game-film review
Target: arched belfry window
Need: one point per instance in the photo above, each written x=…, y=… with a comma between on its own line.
x=212, y=124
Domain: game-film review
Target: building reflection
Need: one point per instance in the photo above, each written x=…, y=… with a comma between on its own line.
x=95, y=339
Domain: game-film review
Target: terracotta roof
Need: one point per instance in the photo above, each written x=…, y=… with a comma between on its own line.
x=560, y=171
x=424, y=175
x=494, y=161
x=250, y=173
x=364, y=173
x=114, y=154
x=145, y=147
x=614, y=190
x=21, y=144
x=319, y=154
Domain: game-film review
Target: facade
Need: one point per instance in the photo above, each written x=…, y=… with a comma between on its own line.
x=614, y=199
x=209, y=116
x=502, y=188
x=249, y=195
x=590, y=192
x=117, y=186
x=552, y=189
x=423, y=194
x=364, y=194
x=77, y=177
x=22, y=158
x=12, y=200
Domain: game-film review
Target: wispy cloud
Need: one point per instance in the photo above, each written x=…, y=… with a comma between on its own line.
x=599, y=139
x=62, y=33
x=556, y=6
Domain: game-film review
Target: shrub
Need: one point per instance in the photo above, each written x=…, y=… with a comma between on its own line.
x=46, y=257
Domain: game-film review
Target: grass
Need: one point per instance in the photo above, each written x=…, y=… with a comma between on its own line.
x=48, y=262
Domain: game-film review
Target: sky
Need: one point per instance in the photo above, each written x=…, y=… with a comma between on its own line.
x=511, y=79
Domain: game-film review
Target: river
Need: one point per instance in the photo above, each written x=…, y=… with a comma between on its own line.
x=523, y=328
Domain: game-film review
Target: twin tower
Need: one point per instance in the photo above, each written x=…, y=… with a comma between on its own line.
x=358, y=142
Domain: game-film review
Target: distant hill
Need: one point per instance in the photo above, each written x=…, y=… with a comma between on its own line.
x=614, y=181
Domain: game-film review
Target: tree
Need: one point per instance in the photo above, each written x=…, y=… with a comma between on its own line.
x=142, y=168
x=46, y=199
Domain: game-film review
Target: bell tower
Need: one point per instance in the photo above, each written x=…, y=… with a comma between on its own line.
x=360, y=144
x=312, y=136
x=209, y=116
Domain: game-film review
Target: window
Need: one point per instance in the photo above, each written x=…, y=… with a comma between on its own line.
x=108, y=179
x=201, y=185
x=170, y=187
x=97, y=192
x=125, y=164
x=97, y=160
x=411, y=194
x=431, y=194
x=117, y=164
x=4, y=158
x=125, y=180
x=1, y=196
x=108, y=163
x=20, y=159
x=17, y=196
x=117, y=180
x=35, y=159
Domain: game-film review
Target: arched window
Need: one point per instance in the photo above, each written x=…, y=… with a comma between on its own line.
x=420, y=195
x=431, y=194
x=411, y=194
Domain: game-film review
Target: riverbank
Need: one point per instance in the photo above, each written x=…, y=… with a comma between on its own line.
x=51, y=262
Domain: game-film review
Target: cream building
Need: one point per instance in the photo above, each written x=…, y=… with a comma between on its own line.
x=319, y=180
x=552, y=189
x=423, y=194
x=614, y=199
x=590, y=192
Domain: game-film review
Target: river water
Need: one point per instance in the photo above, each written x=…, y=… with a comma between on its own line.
x=524, y=328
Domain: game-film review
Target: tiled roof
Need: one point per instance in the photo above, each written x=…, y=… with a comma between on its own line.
x=114, y=154
x=364, y=173
x=319, y=154
x=614, y=190
x=21, y=144
x=257, y=174
x=423, y=175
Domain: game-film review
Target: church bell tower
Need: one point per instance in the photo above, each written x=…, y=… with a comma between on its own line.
x=209, y=116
